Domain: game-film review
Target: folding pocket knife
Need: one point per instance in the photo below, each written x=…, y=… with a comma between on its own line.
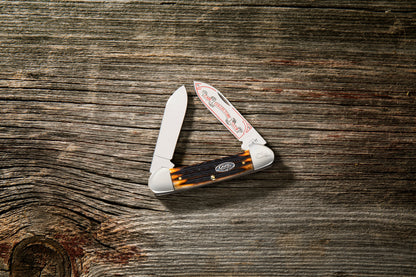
x=166, y=178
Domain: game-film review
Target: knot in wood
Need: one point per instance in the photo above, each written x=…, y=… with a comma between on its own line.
x=39, y=256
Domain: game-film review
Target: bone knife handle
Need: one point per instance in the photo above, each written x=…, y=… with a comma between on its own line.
x=178, y=178
x=211, y=171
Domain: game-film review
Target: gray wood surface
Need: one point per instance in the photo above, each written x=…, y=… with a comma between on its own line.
x=329, y=84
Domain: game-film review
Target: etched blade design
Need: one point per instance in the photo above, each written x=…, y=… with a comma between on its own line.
x=225, y=112
x=169, y=130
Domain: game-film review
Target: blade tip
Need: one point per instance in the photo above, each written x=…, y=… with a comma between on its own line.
x=181, y=90
x=197, y=83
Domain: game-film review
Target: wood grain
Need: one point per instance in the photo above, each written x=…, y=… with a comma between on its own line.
x=329, y=84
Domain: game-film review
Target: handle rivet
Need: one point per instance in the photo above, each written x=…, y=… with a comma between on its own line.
x=212, y=177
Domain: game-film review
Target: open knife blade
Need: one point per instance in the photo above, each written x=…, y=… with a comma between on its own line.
x=225, y=112
x=169, y=130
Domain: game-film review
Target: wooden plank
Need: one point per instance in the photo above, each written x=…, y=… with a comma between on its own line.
x=329, y=84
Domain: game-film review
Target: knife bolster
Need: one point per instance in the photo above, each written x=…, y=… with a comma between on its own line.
x=160, y=182
x=261, y=156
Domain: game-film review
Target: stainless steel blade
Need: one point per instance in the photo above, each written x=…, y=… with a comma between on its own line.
x=225, y=112
x=169, y=130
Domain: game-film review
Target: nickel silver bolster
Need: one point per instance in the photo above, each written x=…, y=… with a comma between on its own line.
x=261, y=156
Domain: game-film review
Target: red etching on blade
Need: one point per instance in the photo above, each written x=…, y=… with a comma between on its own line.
x=204, y=98
x=247, y=126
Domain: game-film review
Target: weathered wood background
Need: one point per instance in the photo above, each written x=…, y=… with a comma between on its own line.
x=329, y=84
